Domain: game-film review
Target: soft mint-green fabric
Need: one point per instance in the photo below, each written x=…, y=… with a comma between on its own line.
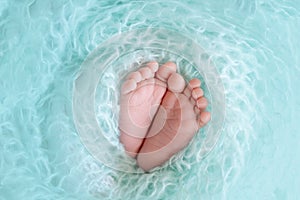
x=255, y=48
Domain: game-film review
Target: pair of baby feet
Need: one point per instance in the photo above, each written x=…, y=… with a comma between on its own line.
x=159, y=113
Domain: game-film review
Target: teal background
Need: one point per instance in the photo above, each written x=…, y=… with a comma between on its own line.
x=255, y=46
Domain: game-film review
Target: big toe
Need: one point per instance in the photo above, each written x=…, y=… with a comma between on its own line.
x=165, y=71
x=176, y=83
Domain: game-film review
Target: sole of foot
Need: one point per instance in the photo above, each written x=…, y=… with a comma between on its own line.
x=141, y=96
x=179, y=117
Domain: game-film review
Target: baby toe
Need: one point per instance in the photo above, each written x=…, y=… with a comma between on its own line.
x=135, y=76
x=202, y=103
x=194, y=83
x=197, y=93
x=203, y=119
x=128, y=86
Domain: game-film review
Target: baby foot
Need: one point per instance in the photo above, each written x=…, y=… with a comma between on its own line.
x=141, y=95
x=181, y=114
